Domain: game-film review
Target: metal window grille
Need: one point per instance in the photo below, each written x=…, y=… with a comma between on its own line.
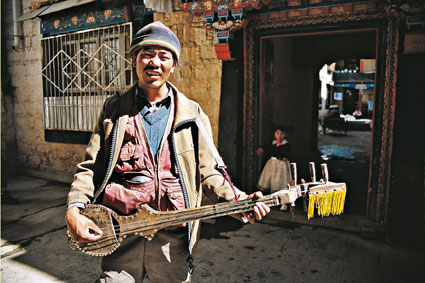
x=82, y=69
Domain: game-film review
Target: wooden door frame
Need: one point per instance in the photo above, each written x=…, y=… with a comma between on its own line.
x=387, y=22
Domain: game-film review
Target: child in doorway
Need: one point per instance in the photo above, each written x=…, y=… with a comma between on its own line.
x=276, y=174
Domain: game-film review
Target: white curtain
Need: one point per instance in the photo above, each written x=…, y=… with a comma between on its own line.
x=326, y=78
x=161, y=6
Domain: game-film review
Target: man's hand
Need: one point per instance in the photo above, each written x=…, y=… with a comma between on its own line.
x=80, y=227
x=260, y=209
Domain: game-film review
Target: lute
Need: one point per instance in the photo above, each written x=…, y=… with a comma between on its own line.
x=147, y=221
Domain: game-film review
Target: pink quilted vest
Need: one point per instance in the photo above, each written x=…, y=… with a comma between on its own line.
x=139, y=178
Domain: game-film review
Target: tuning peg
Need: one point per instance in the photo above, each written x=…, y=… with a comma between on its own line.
x=294, y=173
x=312, y=169
x=325, y=172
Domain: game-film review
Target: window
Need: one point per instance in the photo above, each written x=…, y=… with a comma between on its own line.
x=80, y=70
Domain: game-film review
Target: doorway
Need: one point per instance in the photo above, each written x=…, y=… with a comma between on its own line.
x=290, y=95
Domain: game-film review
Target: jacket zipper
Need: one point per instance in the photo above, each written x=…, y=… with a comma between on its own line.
x=184, y=189
x=111, y=156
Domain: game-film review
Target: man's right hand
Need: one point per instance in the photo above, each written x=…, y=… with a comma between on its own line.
x=80, y=227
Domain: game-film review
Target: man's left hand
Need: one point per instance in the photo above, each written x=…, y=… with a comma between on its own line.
x=260, y=209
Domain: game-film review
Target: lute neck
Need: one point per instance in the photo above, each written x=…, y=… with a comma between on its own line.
x=173, y=218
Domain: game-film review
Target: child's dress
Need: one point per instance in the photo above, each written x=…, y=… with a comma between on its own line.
x=276, y=174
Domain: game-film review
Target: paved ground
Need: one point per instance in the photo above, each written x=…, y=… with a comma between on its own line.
x=355, y=146
x=348, y=159
x=34, y=247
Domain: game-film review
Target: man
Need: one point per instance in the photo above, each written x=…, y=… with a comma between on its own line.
x=146, y=148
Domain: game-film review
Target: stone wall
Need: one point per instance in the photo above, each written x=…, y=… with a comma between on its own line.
x=50, y=160
x=8, y=133
x=198, y=76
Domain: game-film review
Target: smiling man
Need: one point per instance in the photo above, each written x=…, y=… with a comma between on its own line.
x=146, y=149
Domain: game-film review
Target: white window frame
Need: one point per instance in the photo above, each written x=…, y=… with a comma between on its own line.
x=82, y=69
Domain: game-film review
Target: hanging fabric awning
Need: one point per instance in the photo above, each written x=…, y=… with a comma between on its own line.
x=60, y=6
x=161, y=6
x=32, y=15
x=224, y=16
x=52, y=8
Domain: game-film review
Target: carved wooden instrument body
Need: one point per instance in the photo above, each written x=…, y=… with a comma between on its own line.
x=147, y=221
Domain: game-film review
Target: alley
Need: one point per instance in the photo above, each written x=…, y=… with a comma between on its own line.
x=34, y=247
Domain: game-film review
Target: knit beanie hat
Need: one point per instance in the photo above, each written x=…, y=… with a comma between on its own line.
x=158, y=34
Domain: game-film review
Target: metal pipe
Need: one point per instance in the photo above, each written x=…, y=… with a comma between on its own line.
x=16, y=35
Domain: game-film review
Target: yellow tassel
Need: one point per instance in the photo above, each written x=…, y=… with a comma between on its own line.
x=311, y=201
x=326, y=203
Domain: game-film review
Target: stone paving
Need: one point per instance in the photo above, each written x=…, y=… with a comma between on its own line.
x=34, y=247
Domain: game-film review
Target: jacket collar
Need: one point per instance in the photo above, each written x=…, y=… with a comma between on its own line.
x=184, y=108
x=128, y=102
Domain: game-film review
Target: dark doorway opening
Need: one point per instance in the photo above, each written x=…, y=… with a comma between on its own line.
x=290, y=95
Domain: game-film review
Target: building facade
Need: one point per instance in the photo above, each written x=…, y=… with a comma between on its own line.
x=252, y=65
x=61, y=66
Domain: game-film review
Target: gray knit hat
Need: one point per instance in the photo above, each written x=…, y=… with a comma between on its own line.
x=158, y=34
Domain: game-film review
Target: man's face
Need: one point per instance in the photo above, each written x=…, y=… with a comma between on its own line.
x=154, y=65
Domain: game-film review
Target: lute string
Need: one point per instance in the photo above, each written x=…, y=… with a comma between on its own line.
x=216, y=210
x=211, y=212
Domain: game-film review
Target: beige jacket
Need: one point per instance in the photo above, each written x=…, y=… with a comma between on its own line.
x=194, y=159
